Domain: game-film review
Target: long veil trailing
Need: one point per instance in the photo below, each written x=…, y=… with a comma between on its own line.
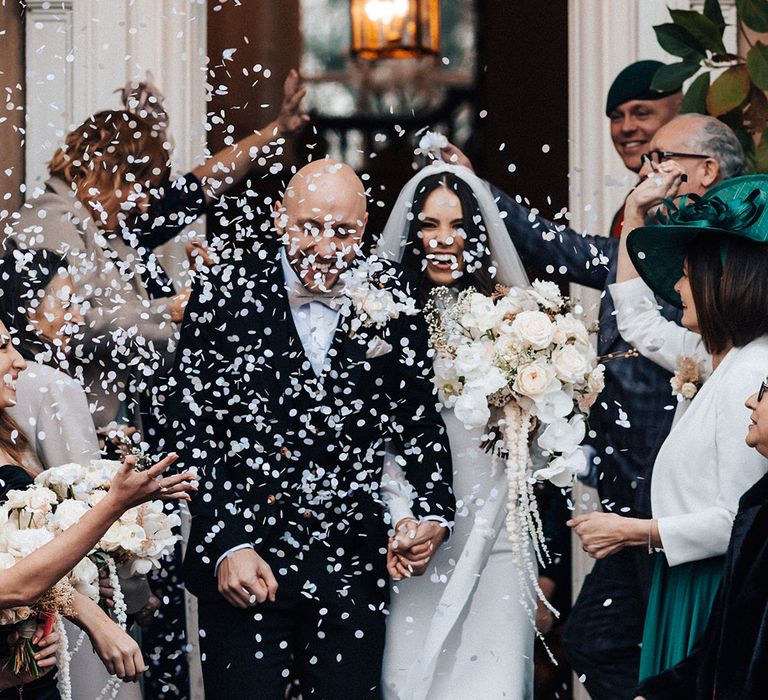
x=509, y=269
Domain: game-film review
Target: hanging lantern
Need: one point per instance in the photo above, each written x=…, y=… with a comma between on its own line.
x=395, y=28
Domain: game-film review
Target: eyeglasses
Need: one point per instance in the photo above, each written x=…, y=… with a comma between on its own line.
x=762, y=390
x=656, y=156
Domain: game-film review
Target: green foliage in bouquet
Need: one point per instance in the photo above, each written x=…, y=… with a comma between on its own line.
x=736, y=95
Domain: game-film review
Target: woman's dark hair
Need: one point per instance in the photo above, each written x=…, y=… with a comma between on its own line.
x=24, y=277
x=476, y=272
x=731, y=299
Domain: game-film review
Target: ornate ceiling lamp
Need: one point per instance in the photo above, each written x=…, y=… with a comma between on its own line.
x=395, y=28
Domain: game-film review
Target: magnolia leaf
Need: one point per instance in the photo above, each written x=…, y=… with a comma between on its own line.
x=703, y=29
x=760, y=164
x=695, y=98
x=754, y=13
x=757, y=62
x=728, y=91
x=679, y=41
x=672, y=76
x=713, y=12
x=756, y=111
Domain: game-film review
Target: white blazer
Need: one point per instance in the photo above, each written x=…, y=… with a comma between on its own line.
x=704, y=465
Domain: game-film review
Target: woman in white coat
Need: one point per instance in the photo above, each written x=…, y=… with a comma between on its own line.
x=711, y=258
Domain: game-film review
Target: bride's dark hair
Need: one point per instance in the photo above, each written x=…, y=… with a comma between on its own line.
x=477, y=271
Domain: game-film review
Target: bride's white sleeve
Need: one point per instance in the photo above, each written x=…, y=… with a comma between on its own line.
x=396, y=492
x=641, y=324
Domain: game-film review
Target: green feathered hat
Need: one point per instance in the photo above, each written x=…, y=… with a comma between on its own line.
x=735, y=207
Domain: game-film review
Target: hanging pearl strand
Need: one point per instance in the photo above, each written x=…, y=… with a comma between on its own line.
x=63, y=658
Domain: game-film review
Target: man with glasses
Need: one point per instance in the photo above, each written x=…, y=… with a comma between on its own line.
x=634, y=413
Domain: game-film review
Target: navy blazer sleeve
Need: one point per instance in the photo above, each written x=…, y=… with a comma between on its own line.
x=581, y=258
x=200, y=414
x=416, y=428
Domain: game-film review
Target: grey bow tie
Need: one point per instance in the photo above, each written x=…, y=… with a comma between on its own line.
x=298, y=295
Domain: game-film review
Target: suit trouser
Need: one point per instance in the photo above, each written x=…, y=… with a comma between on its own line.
x=325, y=628
x=605, y=627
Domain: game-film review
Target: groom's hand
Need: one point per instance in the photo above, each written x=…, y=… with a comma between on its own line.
x=245, y=579
x=415, y=550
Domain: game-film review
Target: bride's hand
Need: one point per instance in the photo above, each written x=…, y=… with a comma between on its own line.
x=601, y=534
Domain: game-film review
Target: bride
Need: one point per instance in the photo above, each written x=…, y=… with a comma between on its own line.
x=461, y=629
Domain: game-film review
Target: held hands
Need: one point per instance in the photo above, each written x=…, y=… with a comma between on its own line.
x=131, y=488
x=291, y=119
x=177, y=304
x=246, y=579
x=412, y=547
x=453, y=155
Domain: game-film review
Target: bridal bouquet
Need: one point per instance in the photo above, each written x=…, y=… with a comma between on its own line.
x=136, y=542
x=518, y=364
x=24, y=528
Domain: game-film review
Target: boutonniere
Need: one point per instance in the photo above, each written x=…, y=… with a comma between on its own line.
x=688, y=378
x=371, y=302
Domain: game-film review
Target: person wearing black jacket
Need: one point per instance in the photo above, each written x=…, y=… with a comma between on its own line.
x=730, y=660
x=282, y=395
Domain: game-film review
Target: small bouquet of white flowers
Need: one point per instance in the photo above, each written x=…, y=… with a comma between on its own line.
x=25, y=528
x=135, y=543
x=518, y=363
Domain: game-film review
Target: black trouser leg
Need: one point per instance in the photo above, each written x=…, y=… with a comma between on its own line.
x=605, y=628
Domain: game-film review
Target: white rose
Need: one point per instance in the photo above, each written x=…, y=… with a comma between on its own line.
x=536, y=379
x=569, y=328
x=547, y=294
x=488, y=382
x=570, y=363
x=482, y=315
x=563, y=436
x=553, y=405
x=562, y=470
x=40, y=499
x=473, y=359
x=688, y=390
x=21, y=543
x=65, y=475
x=16, y=499
x=472, y=410
x=595, y=384
x=534, y=328
x=68, y=513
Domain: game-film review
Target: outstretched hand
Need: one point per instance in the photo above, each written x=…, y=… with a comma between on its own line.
x=131, y=488
x=291, y=119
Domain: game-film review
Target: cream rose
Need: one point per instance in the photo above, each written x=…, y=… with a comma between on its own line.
x=535, y=380
x=569, y=328
x=570, y=363
x=595, y=384
x=534, y=328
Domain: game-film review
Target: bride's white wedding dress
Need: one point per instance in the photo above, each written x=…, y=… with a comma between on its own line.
x=459, y=631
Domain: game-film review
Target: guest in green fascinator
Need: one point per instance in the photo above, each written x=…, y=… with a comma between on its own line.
x=707, y=254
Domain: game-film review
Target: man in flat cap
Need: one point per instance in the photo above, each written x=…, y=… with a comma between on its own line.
x=632, y=416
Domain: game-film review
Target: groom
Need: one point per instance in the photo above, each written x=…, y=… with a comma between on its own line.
x=282, y=394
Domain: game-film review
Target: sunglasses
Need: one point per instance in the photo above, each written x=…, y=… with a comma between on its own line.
x=762, y=390
x=657, y=156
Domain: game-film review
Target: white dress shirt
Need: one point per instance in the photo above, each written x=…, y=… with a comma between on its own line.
x=316, y=325
x=704, y=465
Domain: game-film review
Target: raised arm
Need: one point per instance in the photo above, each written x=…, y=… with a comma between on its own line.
x=231, y=164
x=581, y=258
